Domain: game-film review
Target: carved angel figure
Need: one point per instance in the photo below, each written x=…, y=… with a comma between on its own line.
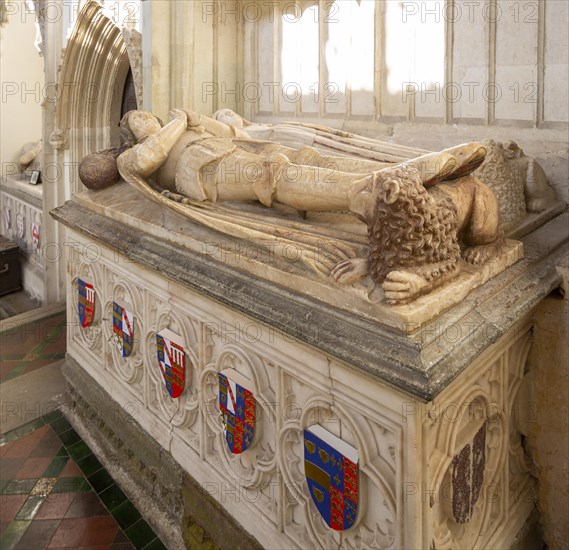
x=419, y=213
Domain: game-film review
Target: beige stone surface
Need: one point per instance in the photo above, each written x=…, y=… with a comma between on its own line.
x=125, y=204
x=406, y=447
x=544, y=413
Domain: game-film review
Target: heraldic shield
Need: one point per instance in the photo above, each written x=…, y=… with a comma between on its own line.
x=85, y=303
x=468, y=476
x=123, y=329
x=237, y=407
x=331, y=469
x=172, y=361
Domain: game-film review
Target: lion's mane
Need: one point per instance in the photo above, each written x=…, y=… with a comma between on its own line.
x=410, y=228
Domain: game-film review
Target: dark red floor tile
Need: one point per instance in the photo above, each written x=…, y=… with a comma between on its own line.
x=58, y=344
x=38, y=534
x=6, y=367
x=10, y=505
x=71, y=470
x=20, y=341
x=55, y=506
x=48, y=446
x=21, y=448
x=69, y=534
x=86, y=505
x=33, y=468
x=3, y=526
x=9, y=467
x=5, y=448
x=100, y=530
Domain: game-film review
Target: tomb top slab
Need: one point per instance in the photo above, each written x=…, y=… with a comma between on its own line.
x=420, y=358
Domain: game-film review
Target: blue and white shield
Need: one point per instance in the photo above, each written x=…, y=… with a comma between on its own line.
x=331, y=469
x=123, y=329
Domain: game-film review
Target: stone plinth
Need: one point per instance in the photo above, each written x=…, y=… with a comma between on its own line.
x=432, y=414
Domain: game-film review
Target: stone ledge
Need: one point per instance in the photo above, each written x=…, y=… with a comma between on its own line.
x=422, y=364
x=23, y=191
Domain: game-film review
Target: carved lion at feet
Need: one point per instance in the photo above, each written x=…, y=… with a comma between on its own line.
x=416, y=235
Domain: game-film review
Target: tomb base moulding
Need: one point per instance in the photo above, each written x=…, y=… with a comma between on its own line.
x=424, y=416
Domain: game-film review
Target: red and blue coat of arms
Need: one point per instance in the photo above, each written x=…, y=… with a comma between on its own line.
x=237, y=407
x=85, y=302
x=123, y=329
x=331, y=469
x=172, y=361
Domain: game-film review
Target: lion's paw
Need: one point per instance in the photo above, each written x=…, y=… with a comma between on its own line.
x=478, y=255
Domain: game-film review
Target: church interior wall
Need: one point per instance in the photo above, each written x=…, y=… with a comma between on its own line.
x=22, y=85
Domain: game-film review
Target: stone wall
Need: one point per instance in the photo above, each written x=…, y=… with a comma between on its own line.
x=23, y=88
x=546, y=423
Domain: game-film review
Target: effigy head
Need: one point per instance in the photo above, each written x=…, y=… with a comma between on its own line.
x=136, y=125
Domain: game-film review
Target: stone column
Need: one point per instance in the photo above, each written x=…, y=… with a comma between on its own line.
x=54, y=190
x=156, y=66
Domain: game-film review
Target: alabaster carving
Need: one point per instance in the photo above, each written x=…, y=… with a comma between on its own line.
x=30, y=156
x=518, y=181
x=421, y=215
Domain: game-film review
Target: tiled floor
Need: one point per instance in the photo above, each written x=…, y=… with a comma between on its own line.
x=56, y=494
x=26, y=348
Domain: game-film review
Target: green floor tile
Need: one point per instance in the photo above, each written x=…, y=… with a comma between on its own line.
x=89, y=465
x=71, y=485
x=100, y=480
x=30, y=507
x=112, y=496
x=56, y=466
x=61, y=425
x=126, y=514
x=79, y=451
x=14, y=532
x=70, y=437
x=62, y=452
x=17, y=487
x=140, y=534
x=51, y=417
x=156, y=544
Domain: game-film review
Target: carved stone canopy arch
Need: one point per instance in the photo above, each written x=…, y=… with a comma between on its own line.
x=90, y=86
